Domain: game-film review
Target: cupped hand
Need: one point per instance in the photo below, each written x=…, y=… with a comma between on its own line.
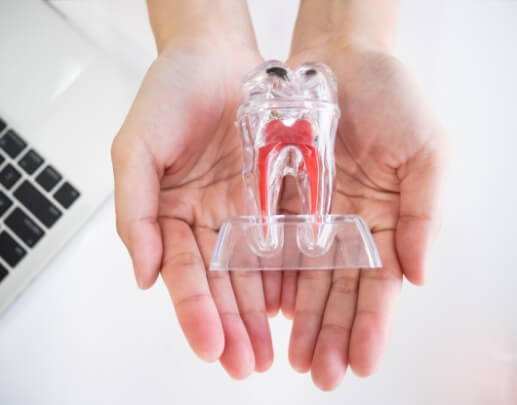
x=177, y=165
x=390, y=158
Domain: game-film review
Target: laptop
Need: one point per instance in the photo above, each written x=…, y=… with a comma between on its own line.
x=62, y=100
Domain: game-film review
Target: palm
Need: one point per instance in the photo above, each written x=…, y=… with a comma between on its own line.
x=198, y=143
x=386, y=143
x=201, y=185
x=377, y=136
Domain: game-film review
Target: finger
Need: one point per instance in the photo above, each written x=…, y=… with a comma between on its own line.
x=137, y=187
x=378, y=293
x=330, y=358
x=183, y=272
x=311, y=296
x=419, y=217
x=272, y=281
x=291, y=259
x=288, y=294
x=249, y=292
x=237, y=358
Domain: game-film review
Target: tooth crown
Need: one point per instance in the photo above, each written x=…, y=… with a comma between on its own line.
x=274, y=80
x=288, y=124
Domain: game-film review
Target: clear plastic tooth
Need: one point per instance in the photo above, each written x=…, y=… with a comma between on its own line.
x=288, y=124
x=282, y=139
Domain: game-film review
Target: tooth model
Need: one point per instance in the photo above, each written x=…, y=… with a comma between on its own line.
x=288, y=123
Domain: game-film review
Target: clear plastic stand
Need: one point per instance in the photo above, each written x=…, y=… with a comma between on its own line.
x=288, y=125
x=295, y=242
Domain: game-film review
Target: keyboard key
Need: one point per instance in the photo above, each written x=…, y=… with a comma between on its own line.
x=48, y=178
x=12, y=143
x=37, y=204
x=66, y=195
x=2, y=124
x=3, y=272
x=24, y=227
x=2, y=160
x=10, y=250
x=5, y=203
x=30, y=162
x=9, y=176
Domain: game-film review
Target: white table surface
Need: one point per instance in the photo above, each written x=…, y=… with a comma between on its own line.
x=82, y=333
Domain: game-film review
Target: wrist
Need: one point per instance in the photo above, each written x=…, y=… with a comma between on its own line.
x=213, y=21
x=336, y=24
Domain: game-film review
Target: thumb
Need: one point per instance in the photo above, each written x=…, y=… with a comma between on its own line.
x=421, y=181
x=137, y=188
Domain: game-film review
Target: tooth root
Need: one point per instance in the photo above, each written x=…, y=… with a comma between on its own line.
x=312, y=167
x=327, y=173
x=269, y=185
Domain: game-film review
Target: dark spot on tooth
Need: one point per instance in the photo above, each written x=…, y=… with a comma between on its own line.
x=310, y=72
x=277, y=71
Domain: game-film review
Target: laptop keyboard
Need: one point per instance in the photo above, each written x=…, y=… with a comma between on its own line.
x=33, y=197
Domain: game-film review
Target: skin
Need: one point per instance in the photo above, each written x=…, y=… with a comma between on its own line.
x=177, y=165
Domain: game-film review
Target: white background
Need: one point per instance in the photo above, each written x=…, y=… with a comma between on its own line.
x=82, y=333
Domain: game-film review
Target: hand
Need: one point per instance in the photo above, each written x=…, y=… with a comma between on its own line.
x=177, y=164
x=390, y=158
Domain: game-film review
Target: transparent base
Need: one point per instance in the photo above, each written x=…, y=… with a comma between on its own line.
x=295, y=242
